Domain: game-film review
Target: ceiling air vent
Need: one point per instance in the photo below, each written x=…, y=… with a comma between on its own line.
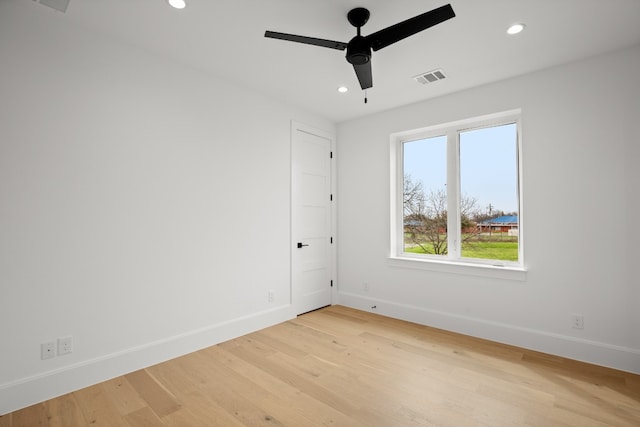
x=430, y=76
x=59, y=5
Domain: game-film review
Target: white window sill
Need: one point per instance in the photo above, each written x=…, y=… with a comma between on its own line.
x=444, y=266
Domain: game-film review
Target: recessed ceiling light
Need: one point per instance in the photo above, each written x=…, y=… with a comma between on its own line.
x=515, y=29
x=178, y=4
x=343, y=89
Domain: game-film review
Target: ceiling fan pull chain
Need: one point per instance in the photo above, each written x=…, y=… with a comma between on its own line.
x=365, y=96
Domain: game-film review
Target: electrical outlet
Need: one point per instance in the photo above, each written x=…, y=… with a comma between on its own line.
x=47, y=350
x=65, y=345
x=272, y=295
x=577, y=321
x=365, y=286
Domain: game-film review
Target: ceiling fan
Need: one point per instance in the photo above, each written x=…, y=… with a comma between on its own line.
x=360, y=47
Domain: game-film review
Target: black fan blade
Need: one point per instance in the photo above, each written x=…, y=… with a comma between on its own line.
x=306, y=40
x=363, y=71
x=411, y=26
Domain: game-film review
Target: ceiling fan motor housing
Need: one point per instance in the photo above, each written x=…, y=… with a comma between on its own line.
x=358, y=51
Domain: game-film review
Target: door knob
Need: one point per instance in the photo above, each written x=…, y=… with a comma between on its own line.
x=301, y=245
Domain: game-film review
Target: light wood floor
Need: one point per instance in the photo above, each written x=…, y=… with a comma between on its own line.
x=343, y=367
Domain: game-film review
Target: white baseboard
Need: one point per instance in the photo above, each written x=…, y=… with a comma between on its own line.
x=38, y=388
x=597, y=353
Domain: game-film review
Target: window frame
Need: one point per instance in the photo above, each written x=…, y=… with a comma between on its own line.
x=452, y=262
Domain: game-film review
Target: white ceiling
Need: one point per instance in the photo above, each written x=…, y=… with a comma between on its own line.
x=226, y=38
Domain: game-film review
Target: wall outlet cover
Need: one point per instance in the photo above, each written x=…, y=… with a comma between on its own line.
x=65, y=345
x=48, y=350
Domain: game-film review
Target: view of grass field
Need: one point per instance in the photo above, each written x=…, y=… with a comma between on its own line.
x=505, y=251
x=497, y=247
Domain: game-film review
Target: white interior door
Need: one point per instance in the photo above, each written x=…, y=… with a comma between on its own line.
x=311, y=260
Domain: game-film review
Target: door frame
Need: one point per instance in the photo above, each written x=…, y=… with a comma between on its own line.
x=298, y=126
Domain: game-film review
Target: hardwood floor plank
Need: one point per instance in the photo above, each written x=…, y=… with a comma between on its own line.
x=35, y=415
x=175, y=376
x=97, y=407
x=143, y=417
x=597, y=410
x=302, y=380
x=281, y=393
x=343, y=367
x=64, y=412
x=202, y=410
x=238, y=395
x=123, y=395
x=161, y=401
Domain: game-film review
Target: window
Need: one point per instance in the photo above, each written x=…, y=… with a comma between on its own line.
x=456, y=197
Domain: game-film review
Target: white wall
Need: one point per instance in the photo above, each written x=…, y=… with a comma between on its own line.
x=144, y=206
x=580, y=166
x=633, y=211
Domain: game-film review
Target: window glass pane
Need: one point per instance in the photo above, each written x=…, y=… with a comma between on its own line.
x=425, y=196
x=489, y=193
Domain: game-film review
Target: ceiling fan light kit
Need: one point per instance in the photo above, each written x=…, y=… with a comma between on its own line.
x=359, y=47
